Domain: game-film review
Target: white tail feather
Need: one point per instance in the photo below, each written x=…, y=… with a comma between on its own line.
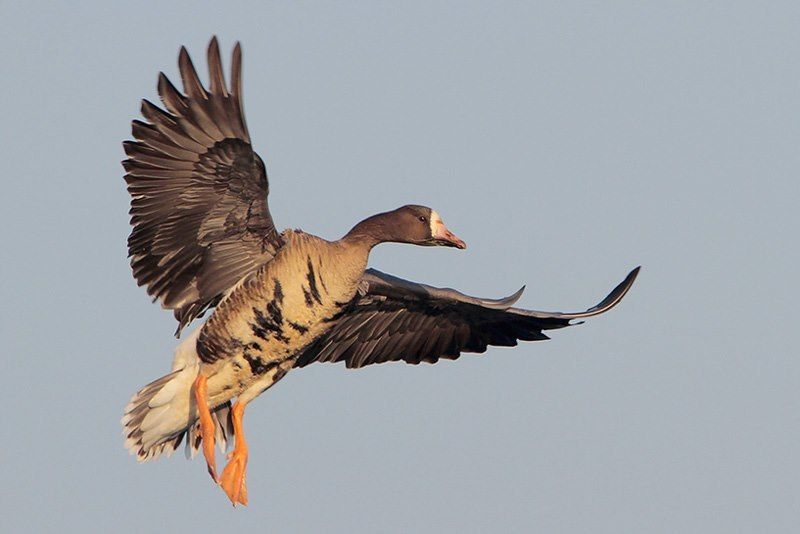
x=159, y=415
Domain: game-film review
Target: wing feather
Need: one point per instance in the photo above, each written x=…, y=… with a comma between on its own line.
x=398, y=320
x=198, y=191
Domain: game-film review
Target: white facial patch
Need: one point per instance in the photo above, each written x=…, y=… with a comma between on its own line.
x=435, y=222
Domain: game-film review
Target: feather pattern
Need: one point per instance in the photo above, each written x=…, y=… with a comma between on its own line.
x=199, y=192
x=398, y=320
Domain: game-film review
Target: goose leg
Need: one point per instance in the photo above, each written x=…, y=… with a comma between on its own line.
x=206, y=424
x=233, y=477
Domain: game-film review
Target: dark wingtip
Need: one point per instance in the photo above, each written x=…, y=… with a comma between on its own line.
x=184, y=60
x=615, y=296
x=236, y=57
x=213, y=48
x=236, y=70
x=502, y=303
x=162, y=82
x=513, y=298
x=146, y=107
x=611, y=300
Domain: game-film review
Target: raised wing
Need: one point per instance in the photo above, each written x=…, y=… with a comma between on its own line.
x=199, y=193
x=394, y=319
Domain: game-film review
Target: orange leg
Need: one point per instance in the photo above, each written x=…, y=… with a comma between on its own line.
x=206, y=424
x=233, y=477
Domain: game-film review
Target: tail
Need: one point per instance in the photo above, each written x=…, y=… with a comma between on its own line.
x=159, y=416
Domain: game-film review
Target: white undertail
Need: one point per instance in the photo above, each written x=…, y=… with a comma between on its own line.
x=162, y=412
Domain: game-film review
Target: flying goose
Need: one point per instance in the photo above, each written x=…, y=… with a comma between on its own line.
x=203, y=238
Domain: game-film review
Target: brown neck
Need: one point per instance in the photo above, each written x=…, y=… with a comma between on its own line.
x=371, y=231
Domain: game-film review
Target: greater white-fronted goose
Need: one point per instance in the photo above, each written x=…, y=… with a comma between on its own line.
x=203, y=237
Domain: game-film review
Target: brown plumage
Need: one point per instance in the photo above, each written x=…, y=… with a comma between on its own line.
x=199, y=192
x=203, y=237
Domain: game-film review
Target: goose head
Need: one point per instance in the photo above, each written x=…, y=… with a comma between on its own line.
x=418, y=225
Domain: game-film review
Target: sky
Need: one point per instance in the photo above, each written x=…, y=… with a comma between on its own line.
x=565, y=142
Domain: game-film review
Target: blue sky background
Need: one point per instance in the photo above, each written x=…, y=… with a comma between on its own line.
x=565, y=142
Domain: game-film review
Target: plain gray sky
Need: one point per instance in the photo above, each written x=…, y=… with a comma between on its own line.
x=565, y=142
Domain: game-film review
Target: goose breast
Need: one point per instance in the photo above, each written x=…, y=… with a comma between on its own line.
x=262, y=326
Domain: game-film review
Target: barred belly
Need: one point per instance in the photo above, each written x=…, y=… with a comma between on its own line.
x=257, y=333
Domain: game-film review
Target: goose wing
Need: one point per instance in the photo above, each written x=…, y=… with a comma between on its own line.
x=394, y=319
x=198, y=191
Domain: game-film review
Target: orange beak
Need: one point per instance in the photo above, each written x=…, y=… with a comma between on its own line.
x=444, y=237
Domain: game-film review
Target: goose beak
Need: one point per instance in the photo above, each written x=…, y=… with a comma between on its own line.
x=444, y=237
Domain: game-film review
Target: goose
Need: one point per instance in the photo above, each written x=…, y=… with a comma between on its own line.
x=203, y=239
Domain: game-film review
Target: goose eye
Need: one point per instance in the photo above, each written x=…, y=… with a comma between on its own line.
x=422, y=218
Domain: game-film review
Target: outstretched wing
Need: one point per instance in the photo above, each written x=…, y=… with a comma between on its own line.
x=199, y=192
x=393, y=319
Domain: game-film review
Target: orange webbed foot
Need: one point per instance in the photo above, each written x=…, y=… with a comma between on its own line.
x=233, y=477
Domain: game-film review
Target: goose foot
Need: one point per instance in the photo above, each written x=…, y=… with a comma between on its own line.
x=233, y=479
